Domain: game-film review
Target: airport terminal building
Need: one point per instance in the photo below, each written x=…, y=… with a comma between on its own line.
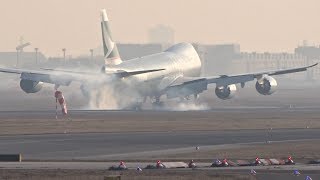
x=217, y=59
x=228, y=59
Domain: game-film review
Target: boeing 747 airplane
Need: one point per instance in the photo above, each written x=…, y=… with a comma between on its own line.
x=173, y=73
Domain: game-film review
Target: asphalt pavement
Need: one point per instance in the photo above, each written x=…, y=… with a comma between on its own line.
x=103, y=146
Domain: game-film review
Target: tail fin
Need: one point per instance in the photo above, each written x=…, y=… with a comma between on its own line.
x=111, y=53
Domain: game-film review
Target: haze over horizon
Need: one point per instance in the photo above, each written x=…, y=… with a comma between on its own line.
x=257, y=25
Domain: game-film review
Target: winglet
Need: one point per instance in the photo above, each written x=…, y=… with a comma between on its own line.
x=313, y=65
x=287, y=71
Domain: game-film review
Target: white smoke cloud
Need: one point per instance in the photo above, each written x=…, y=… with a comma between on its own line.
x=187, y=106
x=105, y=93
x=112, y=94
x=124, y=95
x=102, y=98
x=191, y=106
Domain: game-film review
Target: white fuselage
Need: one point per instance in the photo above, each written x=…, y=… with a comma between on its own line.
x=177, y=61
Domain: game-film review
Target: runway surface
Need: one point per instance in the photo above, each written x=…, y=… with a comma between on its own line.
x=100, y=114
x=104, y=146
x=134, y=165
x=132, y=143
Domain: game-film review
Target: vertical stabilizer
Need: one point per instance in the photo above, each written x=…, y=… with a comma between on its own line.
x=110, y=49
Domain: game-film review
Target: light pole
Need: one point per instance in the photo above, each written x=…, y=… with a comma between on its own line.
x=17, y=63
x=20, y=49
x=91, y=53
x=64, y=54
x=36, y=51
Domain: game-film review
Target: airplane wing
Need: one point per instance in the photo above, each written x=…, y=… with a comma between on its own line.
x=184, y=86
x=65, y=77
x=118, y=73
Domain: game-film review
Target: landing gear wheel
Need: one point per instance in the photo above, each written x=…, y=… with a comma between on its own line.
x=138, y=107
x=135, y=106
x=196, y=96
x=158, y=104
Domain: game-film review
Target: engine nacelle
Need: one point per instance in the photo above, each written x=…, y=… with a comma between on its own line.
x=29, y=86
x=266, y=86
x=226, y=92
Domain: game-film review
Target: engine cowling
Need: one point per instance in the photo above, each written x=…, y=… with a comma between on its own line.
x=266, y=86
x=226, y=92
x=29, y=86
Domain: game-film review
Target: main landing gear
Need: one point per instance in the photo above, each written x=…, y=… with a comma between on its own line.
x=157, y=103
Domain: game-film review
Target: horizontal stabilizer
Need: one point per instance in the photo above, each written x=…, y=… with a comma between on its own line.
x=122, y=74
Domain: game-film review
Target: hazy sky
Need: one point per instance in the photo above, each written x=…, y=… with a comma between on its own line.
x=258, y=25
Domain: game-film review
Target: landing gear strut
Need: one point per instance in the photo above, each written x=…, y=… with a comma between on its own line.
x=157, y=103
x=137, y=106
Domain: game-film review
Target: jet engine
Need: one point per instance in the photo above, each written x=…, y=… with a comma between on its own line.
x=226, y=92
x=266, y=85
x=29, y=86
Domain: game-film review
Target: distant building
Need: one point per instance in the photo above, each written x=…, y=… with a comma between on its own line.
x=26, y=59
x=312, y=54
x=228, y=59
x=161, y=34
x=127, y=51
x=130, y=51
x=254, y=62
x=216, y=59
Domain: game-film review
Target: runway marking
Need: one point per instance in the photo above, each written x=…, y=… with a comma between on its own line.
x=216, y=109
x=182, y=150
x=34, y=141
x=48, y=138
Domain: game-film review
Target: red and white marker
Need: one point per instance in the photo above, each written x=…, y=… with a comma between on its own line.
x=225, y=162
x=159, y=164
x=60, y=98
x=122, y=165
x=257, y=162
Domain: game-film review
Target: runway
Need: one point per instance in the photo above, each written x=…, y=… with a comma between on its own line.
x=141, y=137
x=108, y=146
x=164, y=113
